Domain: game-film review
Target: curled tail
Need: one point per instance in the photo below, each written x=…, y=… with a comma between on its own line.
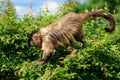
x=108, y=17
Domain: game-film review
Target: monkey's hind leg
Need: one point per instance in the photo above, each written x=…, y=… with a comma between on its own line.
x=83, y=43
x=79, y=37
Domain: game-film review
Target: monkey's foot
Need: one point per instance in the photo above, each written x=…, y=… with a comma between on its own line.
x=83, y=46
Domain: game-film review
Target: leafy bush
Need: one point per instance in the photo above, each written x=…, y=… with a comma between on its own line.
x=99, y=61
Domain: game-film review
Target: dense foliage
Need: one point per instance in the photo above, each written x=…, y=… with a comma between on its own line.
x=100, y=60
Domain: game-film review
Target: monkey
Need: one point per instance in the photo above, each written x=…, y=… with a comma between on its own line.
x=63, y=31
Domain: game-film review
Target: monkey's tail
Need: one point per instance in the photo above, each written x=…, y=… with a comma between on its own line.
x=108, y=17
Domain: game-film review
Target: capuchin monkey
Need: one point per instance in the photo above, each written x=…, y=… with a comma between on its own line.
x=63, y=31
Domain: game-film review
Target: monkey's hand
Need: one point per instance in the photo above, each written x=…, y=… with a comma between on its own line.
x=39, y=63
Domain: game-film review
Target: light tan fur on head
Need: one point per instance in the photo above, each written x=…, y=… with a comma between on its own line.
x=35, y=40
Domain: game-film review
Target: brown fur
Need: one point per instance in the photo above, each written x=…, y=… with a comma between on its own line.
x=61, y=32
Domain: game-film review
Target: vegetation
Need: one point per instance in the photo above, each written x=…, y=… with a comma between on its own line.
x=100, y=60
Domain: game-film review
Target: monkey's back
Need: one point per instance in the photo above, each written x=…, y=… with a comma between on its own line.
x=63, y=30
x=71, y=22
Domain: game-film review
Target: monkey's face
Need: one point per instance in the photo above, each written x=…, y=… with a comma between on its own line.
x=35, y=40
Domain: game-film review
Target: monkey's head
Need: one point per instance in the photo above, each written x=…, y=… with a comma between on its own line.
x=35, y=40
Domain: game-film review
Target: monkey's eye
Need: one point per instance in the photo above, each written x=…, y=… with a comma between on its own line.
x=35, y=38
